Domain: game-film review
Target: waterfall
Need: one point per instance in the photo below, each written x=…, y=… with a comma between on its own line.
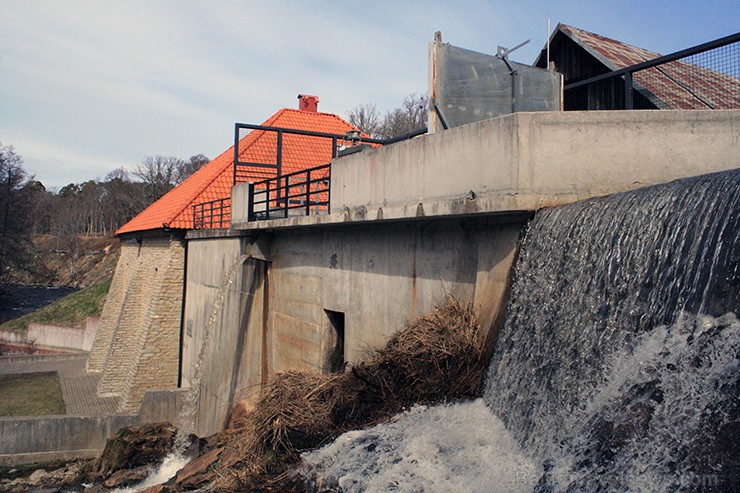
x=177, y=458
x=616, y=370
x=618, y=361
x=188, y=414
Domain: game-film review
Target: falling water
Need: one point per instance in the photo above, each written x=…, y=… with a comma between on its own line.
x=617, y=368
x=178, y=458
x=618, y=363
x=190, y=405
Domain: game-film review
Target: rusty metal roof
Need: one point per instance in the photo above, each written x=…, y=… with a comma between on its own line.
x=673, y=85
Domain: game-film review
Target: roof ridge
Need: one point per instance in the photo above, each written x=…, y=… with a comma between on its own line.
x=613, y=40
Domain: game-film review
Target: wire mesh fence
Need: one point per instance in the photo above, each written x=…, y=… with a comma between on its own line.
x=703, y=77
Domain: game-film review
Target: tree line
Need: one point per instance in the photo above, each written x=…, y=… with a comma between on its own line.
x=100, y=207
x=93, y=207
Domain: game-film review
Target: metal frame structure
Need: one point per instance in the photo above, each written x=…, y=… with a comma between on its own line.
x=213, y=214
x=304, y=192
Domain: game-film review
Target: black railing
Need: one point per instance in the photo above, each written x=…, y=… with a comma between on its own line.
x=320, y=142
x=213, y=214
x=706, y=76
x=281, y=195
x=296, y=194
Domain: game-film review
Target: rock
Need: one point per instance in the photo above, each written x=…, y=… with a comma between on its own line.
x=37, y=475
x=199, y=470
x=160, y=488
x=133, y=447
x=126, y=477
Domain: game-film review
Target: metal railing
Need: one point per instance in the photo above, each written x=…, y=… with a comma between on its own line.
x=213, y=214
x=301, y=192
x=295, y=194
x=706, y=76
x=319, y=142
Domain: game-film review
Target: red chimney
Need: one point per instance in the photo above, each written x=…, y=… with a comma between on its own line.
x=306, y=102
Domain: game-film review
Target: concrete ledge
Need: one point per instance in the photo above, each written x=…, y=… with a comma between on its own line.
x=505, y=207
x=30, y=358
x=520, y=162
x=26, y=440
x=40, y=457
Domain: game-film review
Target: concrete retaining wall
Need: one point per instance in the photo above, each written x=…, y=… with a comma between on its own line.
x=541, y=159
x=521, y=162
x=55, y=336
x=26, y=440
x=229, y=312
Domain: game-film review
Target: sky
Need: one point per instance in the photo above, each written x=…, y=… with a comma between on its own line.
x=90, y=86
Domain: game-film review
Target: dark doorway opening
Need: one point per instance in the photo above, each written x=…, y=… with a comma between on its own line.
x=335, y=342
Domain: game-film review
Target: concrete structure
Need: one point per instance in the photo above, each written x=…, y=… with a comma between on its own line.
x=521, y=162
x=25, y=440
x=88, y=421
x=44, y=336
x=137, y=347
x=359, y=284
x=412, y=223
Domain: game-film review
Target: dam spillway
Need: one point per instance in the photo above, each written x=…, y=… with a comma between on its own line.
x=617, y=367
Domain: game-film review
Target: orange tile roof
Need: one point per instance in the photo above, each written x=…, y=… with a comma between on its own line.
x=673, y=85
x=214, y=180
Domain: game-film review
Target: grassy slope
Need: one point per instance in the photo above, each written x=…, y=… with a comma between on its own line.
x=70, y=311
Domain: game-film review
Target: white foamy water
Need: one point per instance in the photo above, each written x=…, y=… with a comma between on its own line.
x=166, y=471
x=662, y=394
x=446, y=449
x=618, y=367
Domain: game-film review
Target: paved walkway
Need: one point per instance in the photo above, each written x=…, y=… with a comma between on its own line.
x=78, y=386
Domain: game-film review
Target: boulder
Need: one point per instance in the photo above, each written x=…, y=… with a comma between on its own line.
x=199, y=470
x=37, y=475
x=134, y=446
x=126, y=477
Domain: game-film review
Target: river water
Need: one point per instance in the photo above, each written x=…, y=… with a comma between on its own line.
x=17, y=300
x=617, y=368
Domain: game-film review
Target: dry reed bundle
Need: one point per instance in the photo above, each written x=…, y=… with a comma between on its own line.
x=437, y=357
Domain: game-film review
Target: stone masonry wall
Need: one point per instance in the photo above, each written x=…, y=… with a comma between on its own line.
x=140, y=324
x=156, y=365
x=113, y=305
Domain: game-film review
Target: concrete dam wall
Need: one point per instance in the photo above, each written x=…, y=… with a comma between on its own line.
x=410, y=224
x=355, y=285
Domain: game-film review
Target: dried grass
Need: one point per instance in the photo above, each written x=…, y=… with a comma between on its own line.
x=437, y=357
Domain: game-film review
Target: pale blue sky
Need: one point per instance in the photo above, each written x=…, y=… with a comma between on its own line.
x=89, y=86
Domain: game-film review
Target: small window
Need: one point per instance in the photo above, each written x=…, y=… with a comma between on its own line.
x=334, y=349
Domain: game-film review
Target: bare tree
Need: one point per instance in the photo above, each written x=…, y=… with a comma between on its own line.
x=189, y=167
x=366, y=118
x=411, y=116
x=159, y=174
x=15, y=224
